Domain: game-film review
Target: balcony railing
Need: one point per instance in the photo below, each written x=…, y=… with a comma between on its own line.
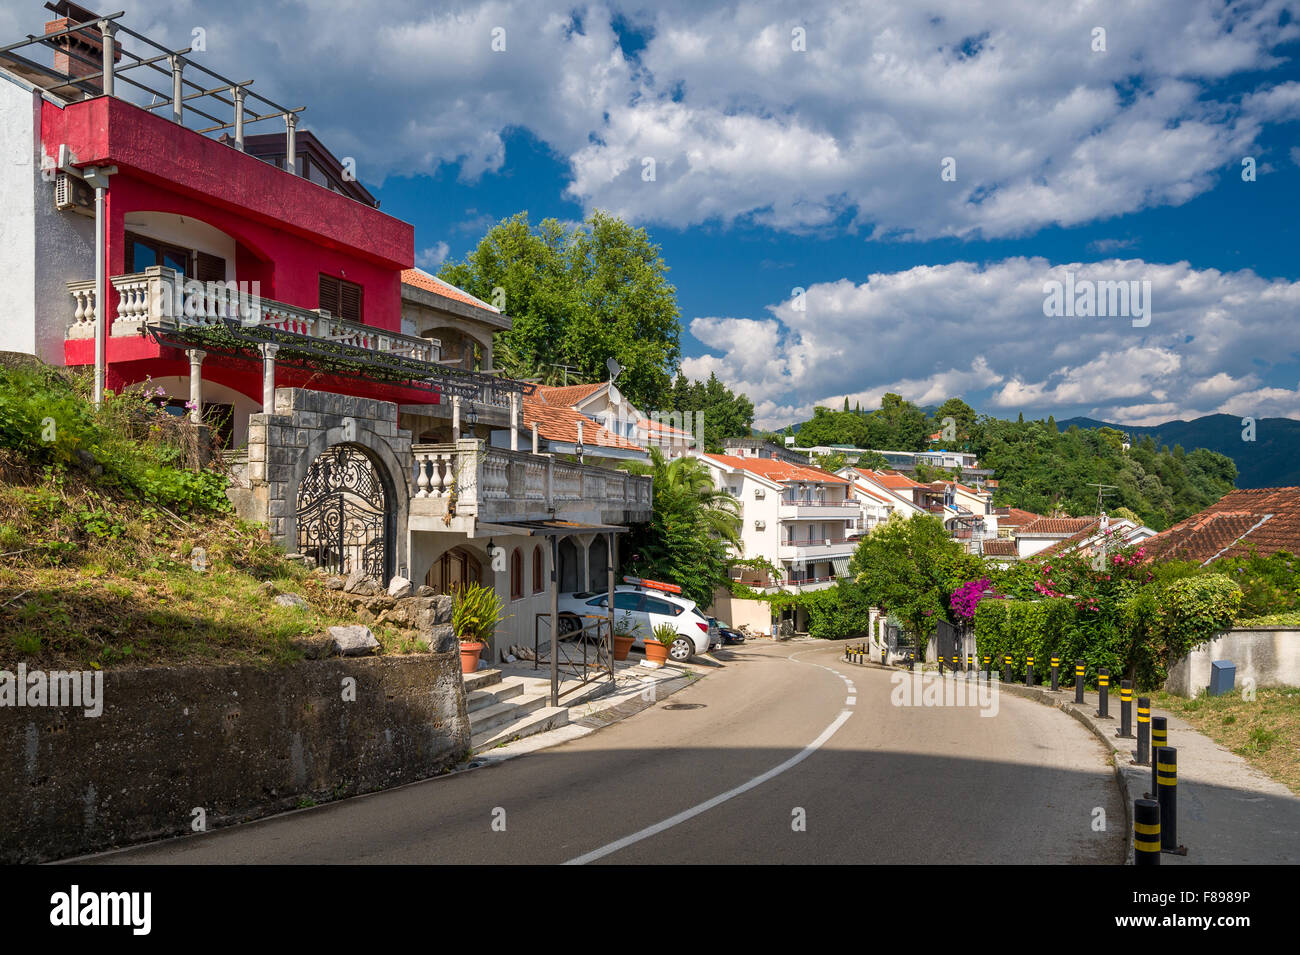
x=159, y=296
x=468, y=478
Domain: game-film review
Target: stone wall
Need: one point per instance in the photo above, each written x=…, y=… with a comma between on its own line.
x=1269, y=657
x=282, y=446
x=236, y=742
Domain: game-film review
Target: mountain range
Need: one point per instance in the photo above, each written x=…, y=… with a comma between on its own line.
x=1271, y=460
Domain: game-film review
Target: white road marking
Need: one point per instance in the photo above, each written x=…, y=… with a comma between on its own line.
x=718, y=800
x=851, y=701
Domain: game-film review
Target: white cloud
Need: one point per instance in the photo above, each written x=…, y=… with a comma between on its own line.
x=742, y=127
x=433, y=256
x=933, y=332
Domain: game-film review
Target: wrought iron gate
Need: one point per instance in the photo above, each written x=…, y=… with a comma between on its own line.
x=947, y=641
x=343, y=519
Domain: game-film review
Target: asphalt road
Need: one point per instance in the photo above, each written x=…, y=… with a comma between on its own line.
x=773, y=758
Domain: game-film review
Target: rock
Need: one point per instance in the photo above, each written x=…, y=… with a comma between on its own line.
x=399, y=587
x=420, y=613
x=362, y=585
x=309, y=562
x=290, y=600
x=424, y=590
x=268, y=588
x=443, y=608
x=441, y=639
x=86, y=461
x=354, y=641
x=335, y=583
x=313, y=648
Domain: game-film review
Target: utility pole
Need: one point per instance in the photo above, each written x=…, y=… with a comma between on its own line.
x=1102, y=491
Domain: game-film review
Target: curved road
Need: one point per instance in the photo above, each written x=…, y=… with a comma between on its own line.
x=785, y=755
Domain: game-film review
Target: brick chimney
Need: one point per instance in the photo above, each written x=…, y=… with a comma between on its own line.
x=87, y=44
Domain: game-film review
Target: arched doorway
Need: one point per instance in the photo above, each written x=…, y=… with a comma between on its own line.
x=453, y=570
x=570, y=569
x=598, y=562
x=343, y=515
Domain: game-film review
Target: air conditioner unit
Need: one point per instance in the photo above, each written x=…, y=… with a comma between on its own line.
x=760, y=525
x=760, y=493
x=73, y=195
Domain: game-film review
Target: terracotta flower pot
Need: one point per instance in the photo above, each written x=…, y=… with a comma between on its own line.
x=656, y=652
x=469, y=654
x=622, y=645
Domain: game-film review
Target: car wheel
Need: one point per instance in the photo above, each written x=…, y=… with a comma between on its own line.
x=569, y=623
x=683, y=649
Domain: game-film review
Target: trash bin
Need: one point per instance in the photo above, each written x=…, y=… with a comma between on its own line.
x=1223, y=673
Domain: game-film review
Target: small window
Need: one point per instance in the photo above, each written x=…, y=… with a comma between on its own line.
x=516, y=574
x=539, y=571
x=342, y=299
x=662, y=607
x=627, y=601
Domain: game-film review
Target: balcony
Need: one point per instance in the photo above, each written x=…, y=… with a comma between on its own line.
x=819, y=510
x=468, y=481
x=822, y=548
x=158, y=297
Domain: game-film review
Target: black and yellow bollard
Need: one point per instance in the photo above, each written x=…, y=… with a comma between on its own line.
x=1103, y=694
x=1056, y=668
x=988, y=672
x=941, y=664
x=1146, y=832
x=1029, y=671
x=1006, y=668
x=1167, y=797
x=1159, y=738
x=1144, y=730
x=1078, y=681
x=956, y=664
x=1125, y=710
x=970, y=662
x=884, y=655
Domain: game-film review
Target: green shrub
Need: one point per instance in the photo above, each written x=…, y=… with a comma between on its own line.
x=477, y=612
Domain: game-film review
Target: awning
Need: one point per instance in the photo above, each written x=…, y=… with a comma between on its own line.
x=556, y=528
x=840, y=566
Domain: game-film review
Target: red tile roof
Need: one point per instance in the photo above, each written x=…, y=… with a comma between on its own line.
x=560, y=423
x=568, y=395
x=1266, y=519
x=431, y=283
x=999, y=547
x=777, y=470
x=1015, y=517
x=1057, y=526
x=890, y=479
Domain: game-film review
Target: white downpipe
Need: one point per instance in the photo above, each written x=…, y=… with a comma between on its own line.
x=101, y=299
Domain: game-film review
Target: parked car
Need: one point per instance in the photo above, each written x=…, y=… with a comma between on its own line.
x=730, y=636
x=644, y=608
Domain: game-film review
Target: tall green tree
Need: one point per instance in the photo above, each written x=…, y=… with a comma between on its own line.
x=717, y=412
x=577, y=297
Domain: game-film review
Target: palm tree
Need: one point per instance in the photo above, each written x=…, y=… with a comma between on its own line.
x=688, y=483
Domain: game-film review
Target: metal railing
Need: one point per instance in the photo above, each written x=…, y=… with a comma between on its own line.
x=94, y=76
x=585, y=654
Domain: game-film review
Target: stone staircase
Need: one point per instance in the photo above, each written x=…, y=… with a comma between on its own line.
x=502, y=709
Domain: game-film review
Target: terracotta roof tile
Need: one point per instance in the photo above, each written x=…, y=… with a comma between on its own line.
x=560, y=423
x=776, y=470
x=567, y=395
x=1058, y=526
x=1015, y=517
x=999, y=547
x=431, y=283
x=1266, y=519
x=890, y=479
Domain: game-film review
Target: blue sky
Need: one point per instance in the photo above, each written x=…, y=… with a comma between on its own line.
x=803, y=148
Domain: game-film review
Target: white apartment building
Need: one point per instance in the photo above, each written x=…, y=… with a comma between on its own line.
x=802, y=519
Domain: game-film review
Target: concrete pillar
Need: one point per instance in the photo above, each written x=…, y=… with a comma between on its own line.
x=455, y=417
x=108, y=28
x=178, y=88
x=290, y=143
x=196, y=356
x=514, y=421
x=268, y=377
x=536, y=443
x=239, y=117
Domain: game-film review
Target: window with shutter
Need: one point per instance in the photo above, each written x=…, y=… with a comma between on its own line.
x=341, y=298
x=350, y=295
x=329, y=294
x=210, y=268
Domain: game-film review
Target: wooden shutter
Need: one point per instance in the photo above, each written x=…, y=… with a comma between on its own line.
x=329, y=294
x=210, y=268
x=350, y=301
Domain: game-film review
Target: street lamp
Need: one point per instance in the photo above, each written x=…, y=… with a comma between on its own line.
x=471, y=417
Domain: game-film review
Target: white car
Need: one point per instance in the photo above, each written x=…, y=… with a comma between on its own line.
x=644, y=608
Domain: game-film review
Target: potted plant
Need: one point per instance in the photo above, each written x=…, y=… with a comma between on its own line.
x=656, y=648
x=624, y=635
x=475, y=617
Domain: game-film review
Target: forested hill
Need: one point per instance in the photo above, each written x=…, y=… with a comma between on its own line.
x=1271, y=460
x=1040, y=468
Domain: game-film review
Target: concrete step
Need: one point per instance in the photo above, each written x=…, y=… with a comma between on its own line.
x=498, y=714
x=537, y=721
x=507, y=689
x=476, y=681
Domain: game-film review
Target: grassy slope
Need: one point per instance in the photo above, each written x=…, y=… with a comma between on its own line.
x=100, y=569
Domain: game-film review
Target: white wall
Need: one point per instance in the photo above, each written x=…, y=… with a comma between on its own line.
x=1269, y=657
x=18, y=173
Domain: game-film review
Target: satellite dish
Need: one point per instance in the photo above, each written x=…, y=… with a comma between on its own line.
x=615, y=369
